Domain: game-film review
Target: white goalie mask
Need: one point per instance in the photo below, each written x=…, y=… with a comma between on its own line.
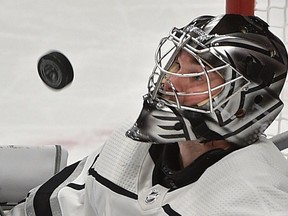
x=230, y=90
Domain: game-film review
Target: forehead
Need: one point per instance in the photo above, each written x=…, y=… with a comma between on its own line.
x=184, y=55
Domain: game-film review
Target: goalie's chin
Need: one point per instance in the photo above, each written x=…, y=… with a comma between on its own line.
x=159, y=125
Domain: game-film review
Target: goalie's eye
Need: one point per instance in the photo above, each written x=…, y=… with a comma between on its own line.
x=198, y=78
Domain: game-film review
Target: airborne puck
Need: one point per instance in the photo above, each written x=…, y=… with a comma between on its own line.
x=55, y=70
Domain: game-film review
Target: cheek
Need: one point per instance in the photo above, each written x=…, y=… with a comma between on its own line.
x=193, y=100
x=201, y=98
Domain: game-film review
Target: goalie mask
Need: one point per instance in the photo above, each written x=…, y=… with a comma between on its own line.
x=216, y=78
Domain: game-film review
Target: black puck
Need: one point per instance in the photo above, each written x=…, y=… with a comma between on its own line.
x=55, y=70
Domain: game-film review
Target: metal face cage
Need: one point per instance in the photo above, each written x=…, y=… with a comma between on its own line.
x=203, y=48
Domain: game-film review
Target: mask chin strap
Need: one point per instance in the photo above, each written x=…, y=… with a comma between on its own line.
x=200, y=128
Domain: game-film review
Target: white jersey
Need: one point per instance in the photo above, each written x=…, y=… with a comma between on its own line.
x=120, y=180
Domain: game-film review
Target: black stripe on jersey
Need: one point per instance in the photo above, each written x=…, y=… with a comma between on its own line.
x=112, y=186
x=168, y=210
x=41, y=200
x=76, y=186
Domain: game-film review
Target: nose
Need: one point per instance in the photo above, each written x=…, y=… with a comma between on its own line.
x=175, y=83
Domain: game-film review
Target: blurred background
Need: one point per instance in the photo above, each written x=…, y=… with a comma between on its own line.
x=111, y=46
